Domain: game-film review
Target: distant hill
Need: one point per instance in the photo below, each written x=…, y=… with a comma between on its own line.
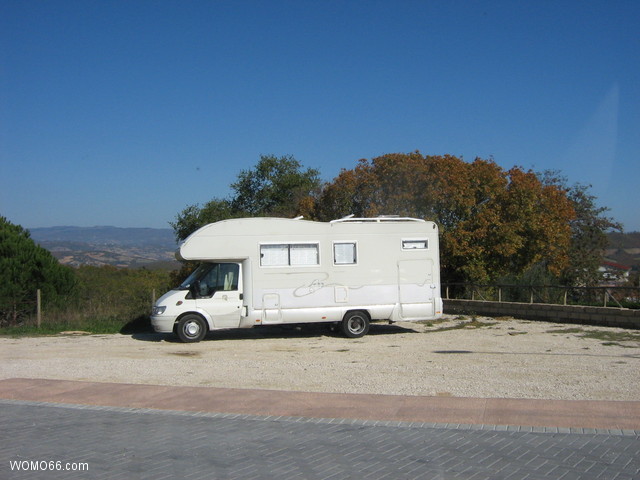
x=624, y=248
x=155, y=247
x=121, y=247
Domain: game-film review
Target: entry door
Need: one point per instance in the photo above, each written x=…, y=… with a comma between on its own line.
x=416, y=288
x=225, y=305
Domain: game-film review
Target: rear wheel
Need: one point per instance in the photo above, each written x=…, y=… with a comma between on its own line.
x=355, y=324
x=191, y=328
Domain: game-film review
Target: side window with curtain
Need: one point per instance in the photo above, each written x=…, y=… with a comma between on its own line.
x=289, y=254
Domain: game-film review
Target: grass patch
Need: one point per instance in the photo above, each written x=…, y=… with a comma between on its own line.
x=431, y=323
x=96, y=325
x=613, y=336
x=566, y=330
x=473, y=324
x=606, y=337
x=32, y=330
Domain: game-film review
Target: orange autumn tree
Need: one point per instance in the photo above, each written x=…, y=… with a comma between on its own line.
x=493, y=222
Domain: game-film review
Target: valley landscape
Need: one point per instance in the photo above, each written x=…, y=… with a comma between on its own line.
x=155, y=247
x=118, y=247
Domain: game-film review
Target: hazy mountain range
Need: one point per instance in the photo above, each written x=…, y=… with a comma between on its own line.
x=155, y=247
x=121, y=247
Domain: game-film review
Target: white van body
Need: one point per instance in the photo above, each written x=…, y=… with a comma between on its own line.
x=266, y=271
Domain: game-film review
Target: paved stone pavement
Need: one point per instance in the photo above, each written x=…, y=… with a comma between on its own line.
x=144, y=443
x=561, y=415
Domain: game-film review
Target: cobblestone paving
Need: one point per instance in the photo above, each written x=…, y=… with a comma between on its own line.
x=122, y=443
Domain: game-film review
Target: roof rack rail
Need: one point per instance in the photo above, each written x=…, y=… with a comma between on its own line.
x=378, y=219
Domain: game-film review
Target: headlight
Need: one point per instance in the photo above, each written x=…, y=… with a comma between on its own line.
x=158, y=310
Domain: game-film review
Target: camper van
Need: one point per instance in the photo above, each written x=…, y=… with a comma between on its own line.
x=269, y=271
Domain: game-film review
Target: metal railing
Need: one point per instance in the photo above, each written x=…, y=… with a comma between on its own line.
x=602, y=296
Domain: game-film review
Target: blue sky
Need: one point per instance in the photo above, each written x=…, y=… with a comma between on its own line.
x=123, y=113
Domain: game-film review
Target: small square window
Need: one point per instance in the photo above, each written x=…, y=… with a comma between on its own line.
x=345, y=253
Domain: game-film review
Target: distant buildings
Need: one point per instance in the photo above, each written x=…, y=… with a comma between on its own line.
x=614, y=273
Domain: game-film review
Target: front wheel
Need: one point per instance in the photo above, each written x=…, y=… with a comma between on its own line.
x=355, y=324
x=191, y=328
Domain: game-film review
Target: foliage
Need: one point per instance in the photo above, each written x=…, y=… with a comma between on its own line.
x=176, y=277
x=194, y=217
x=97, y=299
x=350, y=193
x=493, y=221
x=106, y=300
x=536, y=276
x=120, y=293
x=24, y=268
x=589, y=229
x=274, y=187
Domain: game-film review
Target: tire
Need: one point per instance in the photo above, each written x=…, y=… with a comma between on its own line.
x=191, y=328
x=355, y=324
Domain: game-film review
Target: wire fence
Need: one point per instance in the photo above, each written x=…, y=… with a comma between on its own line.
x=602, y=296
x=32, y=309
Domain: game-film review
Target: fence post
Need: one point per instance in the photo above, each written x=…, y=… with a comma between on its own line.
x=38, y=308
x=499, y=294
x=566, y=290
x=531, y=300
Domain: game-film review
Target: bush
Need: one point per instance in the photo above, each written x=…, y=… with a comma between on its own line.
x=25, y=267
x=105, y=300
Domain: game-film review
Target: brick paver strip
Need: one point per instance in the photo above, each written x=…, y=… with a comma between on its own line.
x=570, y=415
x=129, y=443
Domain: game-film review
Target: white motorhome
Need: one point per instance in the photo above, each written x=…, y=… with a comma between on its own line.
x=267, y=271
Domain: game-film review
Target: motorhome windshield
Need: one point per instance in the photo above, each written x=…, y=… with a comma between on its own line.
x=197, y=274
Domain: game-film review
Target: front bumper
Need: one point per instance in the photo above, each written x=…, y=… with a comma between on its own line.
x=163, y=323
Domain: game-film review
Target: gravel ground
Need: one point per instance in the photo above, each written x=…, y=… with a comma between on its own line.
x=460, y=356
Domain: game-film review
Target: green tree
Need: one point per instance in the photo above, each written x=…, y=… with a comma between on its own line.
x=589, y=237
x=274, y=187
x=193, y=217
x=24, y=268
x=589, y=229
